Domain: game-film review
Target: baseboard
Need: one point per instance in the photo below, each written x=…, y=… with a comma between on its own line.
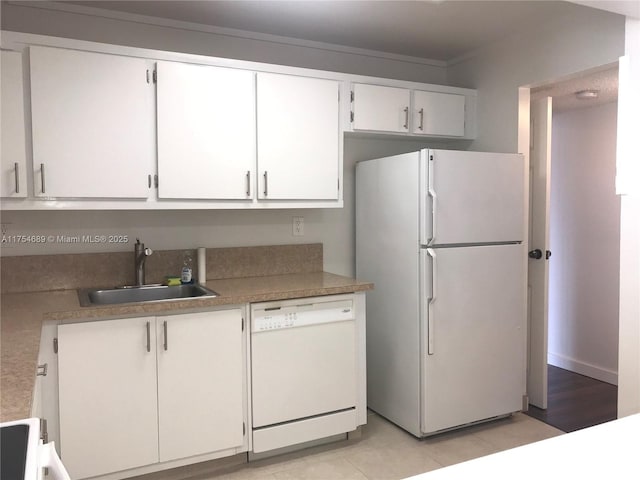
x=583, y=368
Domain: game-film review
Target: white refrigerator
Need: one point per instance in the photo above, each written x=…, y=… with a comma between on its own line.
x=440, y=233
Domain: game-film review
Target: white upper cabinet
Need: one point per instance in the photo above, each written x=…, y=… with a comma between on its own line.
x=438, y=114
x=298, y=137
x=384, y=109
x=93, y=124
x=206, y=132
x=13, y=180
x=118, y=128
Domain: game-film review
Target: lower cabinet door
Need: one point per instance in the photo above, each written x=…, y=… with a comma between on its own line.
x=108, y=391
x=200, y=378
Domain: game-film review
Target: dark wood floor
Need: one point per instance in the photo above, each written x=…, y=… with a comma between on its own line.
x=575, y=401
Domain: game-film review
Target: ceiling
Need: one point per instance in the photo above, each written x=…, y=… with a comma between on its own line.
x=563, y=92
x=440, y=30
x=437, y=30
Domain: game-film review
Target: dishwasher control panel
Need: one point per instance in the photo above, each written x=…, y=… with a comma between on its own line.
x=276, y=318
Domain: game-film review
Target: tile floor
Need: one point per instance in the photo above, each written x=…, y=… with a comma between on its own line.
x=384, y=452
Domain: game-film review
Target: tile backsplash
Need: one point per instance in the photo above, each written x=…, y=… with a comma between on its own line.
x=32, y=273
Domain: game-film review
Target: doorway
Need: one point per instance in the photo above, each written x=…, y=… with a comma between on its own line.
x=575, y=233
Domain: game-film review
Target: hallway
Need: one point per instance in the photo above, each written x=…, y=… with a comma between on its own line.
x=576, y=401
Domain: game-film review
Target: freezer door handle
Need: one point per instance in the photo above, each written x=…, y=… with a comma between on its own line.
x=432, y=194
x=432, y=300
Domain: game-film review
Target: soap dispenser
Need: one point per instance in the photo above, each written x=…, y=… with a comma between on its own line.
x=187, y=268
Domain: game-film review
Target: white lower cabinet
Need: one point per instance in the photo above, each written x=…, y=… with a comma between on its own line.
x=200, y=391
x=108, y=396
x=137, y=391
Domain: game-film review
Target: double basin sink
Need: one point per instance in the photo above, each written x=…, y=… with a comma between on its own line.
x=146, y=293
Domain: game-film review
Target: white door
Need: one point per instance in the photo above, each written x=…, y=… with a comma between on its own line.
x=475, y=197
x=93, y=124
x=206, y=132
x=108, y=396
x=437, y=113
x=474, y=334
x=384, y=109
x=13, y=180
x=540, y=182
x=298, y=138
x=200, y=378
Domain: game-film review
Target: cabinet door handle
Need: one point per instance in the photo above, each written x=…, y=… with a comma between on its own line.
x=266, y=188
x=248, y=183
x=17, y=176
x=42, y=177
x=421, y=112
x=166, y=337
x=406, y=117
x=148, y=336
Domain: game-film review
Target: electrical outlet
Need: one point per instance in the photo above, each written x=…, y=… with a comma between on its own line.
x=298, y=226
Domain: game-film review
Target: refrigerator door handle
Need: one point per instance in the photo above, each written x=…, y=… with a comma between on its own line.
x=432, y=194
x=432, y=300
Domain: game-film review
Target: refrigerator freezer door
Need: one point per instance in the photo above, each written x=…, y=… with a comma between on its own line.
x=474, y=325
x=475, y=198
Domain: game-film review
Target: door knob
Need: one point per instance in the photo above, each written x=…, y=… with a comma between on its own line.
x=535, y=254
x=548, y=254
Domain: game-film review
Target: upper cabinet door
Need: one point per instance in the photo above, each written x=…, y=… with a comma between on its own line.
x=438, y=114
x=13, y=181
x=298, y=137
x=93, y=124
x=384, y=109
x=206, y=132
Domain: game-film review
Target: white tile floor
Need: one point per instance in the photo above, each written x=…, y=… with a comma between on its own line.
x=384, y=452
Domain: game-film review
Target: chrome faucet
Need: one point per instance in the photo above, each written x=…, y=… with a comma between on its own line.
x=141, y=255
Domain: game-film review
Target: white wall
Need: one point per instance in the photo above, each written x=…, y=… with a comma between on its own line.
x=585, y=241
x=629, y=347
x=36, y=17
x=539, y=54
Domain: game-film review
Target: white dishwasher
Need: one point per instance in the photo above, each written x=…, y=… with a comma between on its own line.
x=303, y=370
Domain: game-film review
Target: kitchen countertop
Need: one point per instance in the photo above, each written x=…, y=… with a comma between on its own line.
x=23, y=315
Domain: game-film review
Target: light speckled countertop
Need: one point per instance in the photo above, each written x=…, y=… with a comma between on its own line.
x=24, y=313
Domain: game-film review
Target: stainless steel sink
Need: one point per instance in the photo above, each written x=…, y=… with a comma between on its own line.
x=146, y=293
